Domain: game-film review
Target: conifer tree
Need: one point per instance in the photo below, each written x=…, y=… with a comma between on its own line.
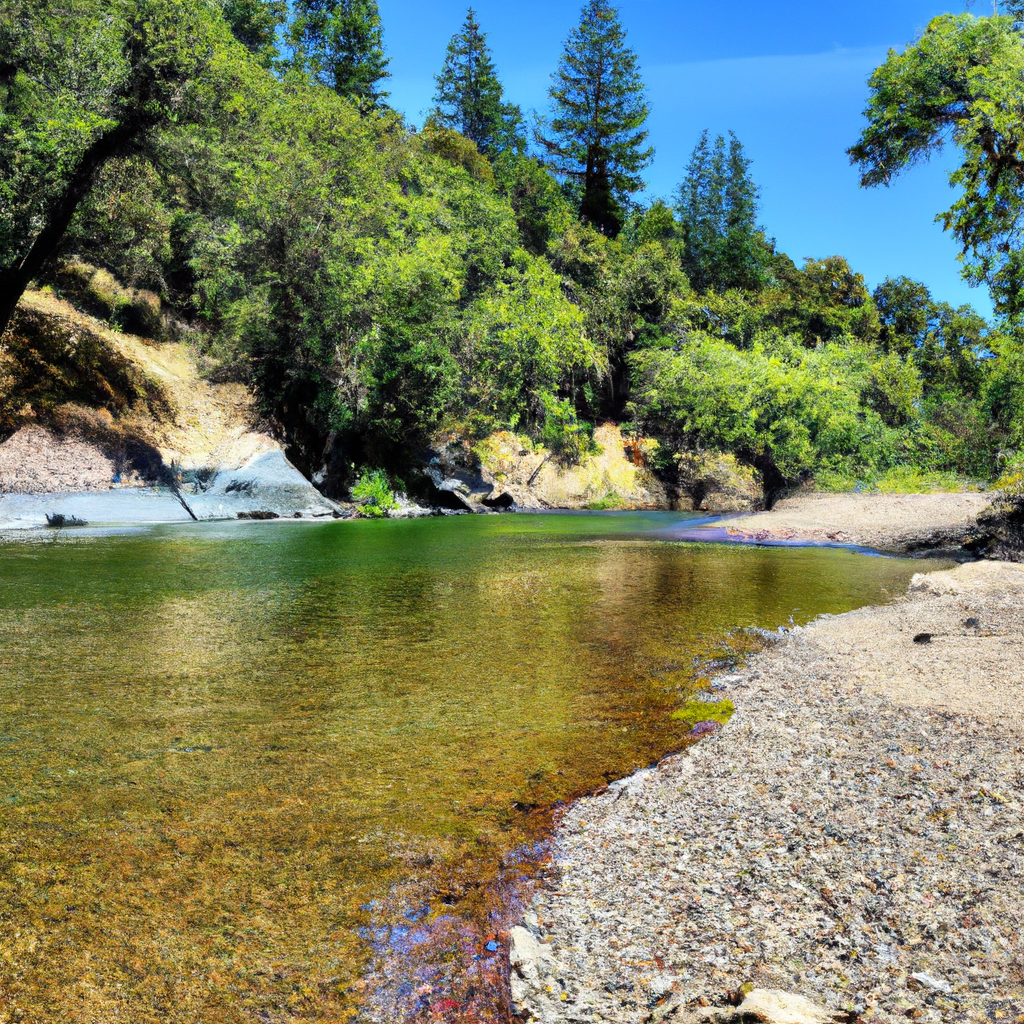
x=470, y=97
x=717, y=205
x=596, y=137
x=341, y=43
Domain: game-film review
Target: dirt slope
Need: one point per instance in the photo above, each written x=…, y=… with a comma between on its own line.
x=84, y=407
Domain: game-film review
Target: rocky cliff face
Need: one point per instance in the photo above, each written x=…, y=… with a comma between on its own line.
x=507, y=470
x=85, y=410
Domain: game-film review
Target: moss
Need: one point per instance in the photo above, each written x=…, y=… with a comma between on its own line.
x=694, y=711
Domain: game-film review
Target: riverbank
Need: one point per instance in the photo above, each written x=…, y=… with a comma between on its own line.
x=853, y=835
x=899, y=523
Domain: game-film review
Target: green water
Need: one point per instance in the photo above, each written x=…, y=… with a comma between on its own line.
x=229, y=755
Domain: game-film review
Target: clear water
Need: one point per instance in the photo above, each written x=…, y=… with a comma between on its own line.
x=282, y=771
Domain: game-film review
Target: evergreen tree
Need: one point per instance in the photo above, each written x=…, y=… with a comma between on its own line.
x=469, y=96
x=341, y=43
x=1015, y=9
x=717, y=206
x=255, y=24
x=596, y=136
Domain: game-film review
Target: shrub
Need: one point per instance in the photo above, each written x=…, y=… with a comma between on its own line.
x=374, y=493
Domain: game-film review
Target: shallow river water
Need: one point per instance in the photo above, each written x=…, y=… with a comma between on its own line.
x=291, y=772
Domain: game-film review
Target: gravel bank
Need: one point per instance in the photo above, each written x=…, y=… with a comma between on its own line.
x=888, y=522
x=858, y=822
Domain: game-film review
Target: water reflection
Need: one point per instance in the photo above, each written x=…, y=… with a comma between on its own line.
x=234, y=759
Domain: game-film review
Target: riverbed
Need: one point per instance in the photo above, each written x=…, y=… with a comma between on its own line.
x=293, y=771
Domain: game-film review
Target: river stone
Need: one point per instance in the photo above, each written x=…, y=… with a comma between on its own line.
x=533, y=972
x=773, y=1006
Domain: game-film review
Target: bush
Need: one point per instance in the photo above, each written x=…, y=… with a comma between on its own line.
x=374, y=494
x=97, y=291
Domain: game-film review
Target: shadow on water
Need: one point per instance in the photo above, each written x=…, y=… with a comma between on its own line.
x=304, y=773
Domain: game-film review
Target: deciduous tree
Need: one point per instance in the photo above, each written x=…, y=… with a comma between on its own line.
x=83, y=83
x=960, y=83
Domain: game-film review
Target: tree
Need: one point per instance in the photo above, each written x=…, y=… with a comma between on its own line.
x=470, y=97
x=717, y=206
x=960, y=82
x=84, y=82
x=255, y=24
x=596, y=137
x=341, y=44
x=904, y=309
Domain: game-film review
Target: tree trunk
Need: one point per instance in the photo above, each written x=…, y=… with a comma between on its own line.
x=14, y=279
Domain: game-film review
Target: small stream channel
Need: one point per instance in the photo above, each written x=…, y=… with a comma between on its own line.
x=298, y=772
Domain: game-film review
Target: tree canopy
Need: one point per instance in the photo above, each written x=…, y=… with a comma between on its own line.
x=380, y=287
x=341, y=44
x=960, y=83
x=717, y=205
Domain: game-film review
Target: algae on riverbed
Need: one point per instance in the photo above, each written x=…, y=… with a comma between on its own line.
x=229, y=753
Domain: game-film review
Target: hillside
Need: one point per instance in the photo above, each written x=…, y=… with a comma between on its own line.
x=86, y=408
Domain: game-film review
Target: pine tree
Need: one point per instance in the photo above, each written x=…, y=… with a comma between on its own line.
x=596, y=137
x=717, y=205
x=469, y=95
x=341, y=43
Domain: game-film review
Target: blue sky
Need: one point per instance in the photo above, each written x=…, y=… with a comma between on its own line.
x=788, y=77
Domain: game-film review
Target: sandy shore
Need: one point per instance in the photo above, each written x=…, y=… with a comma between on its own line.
x=888, y=522
x=855, y=834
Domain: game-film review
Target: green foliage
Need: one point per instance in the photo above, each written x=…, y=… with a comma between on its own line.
x=256, y=24
x=960, y=82
x=526, y=343
x=374, y=495
x=88, y=82
x=376, y=285
x=542, y=212
x=340, y=43
x=717, y=204
x=469, y=95
x=569, y=437
x=596, y=137
x=786, y=411
x=896, y=390
x=898, y=480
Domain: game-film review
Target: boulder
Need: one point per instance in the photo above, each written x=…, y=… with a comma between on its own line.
x=267, y=484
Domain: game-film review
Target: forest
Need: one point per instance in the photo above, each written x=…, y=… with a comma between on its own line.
x=230, y=172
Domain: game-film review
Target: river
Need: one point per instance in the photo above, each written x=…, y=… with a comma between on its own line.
x=294, y=772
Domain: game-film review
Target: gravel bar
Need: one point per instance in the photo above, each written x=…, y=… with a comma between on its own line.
x=854, y=835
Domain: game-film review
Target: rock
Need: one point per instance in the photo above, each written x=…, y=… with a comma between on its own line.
x=718, y=483
x=58, y=521
x=506, y=472
x=931, y=983
x=267, y=483
x=773, y=1006
x=533, y=968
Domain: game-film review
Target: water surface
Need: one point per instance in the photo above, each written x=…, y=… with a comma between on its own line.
x=246, y=769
